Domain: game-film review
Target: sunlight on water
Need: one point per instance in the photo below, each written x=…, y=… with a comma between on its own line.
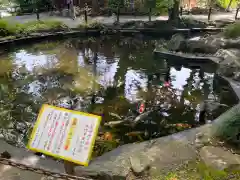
x=133, y=82
x=179, y=78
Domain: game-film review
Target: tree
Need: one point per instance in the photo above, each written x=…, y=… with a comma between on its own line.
x=172, y=6
x=173, y=11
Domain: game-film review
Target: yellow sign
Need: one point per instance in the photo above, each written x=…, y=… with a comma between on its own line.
x=65, y=134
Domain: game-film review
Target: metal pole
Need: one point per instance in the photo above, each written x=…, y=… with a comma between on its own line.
x=36, y=9
x=236, y=15
x=38, y=17
x=150, y=13
x=181, y=10
x=85, y=16
x=209, y=13
x=118, y=14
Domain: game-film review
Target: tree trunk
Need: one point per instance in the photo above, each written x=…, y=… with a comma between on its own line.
x=229, y=5
x=173, y=13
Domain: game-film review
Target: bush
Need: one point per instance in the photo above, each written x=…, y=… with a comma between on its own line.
x=232, y=31
x=7, y=28
x=92, y=24
x=227, y=126
x=224, y=3
x=39, y=26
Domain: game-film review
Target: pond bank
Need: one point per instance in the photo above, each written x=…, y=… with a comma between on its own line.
x=97, y=32
x=37, y=30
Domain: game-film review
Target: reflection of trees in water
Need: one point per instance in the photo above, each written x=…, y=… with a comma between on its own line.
x=18, y=107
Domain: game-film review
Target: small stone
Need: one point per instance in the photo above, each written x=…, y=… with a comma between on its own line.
x=139, y=164
x=236, y=76
x=218, y=158
x=6, y=155
x=21, y=127
x=199, y=135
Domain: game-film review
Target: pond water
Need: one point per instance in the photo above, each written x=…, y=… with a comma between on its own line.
x=116, y=78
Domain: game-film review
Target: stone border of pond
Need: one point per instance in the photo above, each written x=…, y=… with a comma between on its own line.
x=109, y=31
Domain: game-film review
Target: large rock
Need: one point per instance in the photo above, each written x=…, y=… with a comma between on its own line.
x=218, y=158
x=166, y=153
x=230, y=63
x=207, y=45
x=176, y=42
x=156, y=156
x=229, y=56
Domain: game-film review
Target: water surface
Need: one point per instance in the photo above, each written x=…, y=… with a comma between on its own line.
x=110, y=77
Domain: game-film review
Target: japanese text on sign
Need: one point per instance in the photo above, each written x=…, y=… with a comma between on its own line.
x=65, y=134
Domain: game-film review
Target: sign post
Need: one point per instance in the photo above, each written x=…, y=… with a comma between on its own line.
x=150, y=4
x=65, y=134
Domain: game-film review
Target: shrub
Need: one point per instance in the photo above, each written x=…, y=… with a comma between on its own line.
x=232, y=30
x=38, y=26
x=7, y=28
x=224, y=3
x=227, y=126
x=92, y=24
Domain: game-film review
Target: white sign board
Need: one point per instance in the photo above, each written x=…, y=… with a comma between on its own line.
x=65, y=134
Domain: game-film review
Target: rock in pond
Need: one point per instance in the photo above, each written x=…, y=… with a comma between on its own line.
x=206, y=45
x=218, y=158
x=176, y=42
x=230, y=63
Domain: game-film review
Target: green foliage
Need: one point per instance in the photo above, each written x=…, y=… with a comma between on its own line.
x=199, y=171
x=209, y=173
x=7, y=28
x=165, y=3
x=232, y=31
x=227, y=126
x=229, y=131
x=91, y=24
x=113, y=4
x=224, y=3
x=28, y=6
x=38, y=26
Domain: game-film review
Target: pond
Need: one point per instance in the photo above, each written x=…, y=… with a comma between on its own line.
x=139, y=96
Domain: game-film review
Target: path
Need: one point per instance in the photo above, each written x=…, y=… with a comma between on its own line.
x=109, y=20
x=23, y=156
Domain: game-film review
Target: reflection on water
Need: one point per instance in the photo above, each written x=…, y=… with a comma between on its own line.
x=109, y=78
